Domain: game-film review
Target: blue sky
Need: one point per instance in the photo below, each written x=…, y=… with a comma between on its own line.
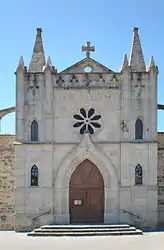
x=68, y=24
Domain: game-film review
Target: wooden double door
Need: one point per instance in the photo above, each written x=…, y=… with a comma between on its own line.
x=86, y=195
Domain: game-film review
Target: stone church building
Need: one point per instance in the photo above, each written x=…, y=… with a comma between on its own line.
x=86, y=148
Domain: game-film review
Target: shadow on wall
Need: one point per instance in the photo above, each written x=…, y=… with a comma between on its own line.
x=7, y=124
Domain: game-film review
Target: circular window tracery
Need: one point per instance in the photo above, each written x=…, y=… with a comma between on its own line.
x=87, y=69
x=87, y=121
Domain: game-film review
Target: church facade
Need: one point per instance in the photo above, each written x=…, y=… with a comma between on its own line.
x=86, y=141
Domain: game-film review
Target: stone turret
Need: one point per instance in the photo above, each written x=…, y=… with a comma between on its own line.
x=137, y=62
x=38, y=58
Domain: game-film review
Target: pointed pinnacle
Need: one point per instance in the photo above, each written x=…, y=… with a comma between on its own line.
x=137, y=62
x=49, y=61
x=21, y=63
x=38, y=58
x=38, y=47
x=152, y=62
x=48, y=65
x=125, y=63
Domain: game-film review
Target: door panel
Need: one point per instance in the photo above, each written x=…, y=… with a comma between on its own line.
x=77, y=210
x=86, y=195
x=95, y=206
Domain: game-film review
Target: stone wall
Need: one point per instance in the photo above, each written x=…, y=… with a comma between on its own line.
x=7, y=158
x=160, y=176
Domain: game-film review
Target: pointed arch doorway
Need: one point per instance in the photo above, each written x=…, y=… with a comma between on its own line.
x=86, y=195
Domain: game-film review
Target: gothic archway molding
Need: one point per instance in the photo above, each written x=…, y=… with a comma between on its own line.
x=85, y=150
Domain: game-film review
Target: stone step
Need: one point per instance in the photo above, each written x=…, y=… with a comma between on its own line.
x=87, y=226
x=47, y=230
x=84, y=230
x=98, y=233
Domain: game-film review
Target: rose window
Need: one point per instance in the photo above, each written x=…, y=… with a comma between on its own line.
x=87, y=121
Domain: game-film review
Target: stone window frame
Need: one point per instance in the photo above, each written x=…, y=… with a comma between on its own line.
x=139, y=129
x=34, y=128
x=138, y=175
x=34, y=176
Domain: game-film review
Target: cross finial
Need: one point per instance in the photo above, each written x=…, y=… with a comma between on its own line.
x=88, y=48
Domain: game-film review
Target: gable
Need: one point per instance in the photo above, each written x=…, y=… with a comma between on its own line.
x=80, y=67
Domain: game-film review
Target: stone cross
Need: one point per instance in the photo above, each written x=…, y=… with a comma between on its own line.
x=139, y=88
x=88, y=49
x=34, y=86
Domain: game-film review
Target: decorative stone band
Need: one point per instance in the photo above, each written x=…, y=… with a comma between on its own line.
x=76, y=143
x=89, y=86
